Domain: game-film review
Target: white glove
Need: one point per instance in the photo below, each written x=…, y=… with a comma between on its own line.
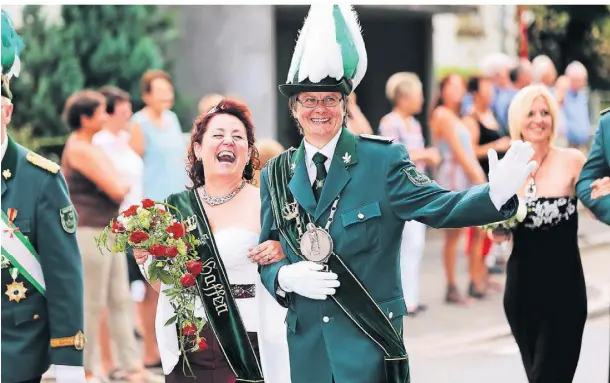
x=70, y=374
x=507, y=175
x=306, y=279
x=144, y=267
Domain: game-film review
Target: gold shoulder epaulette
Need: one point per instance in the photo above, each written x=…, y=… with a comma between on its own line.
x=604, y=111
x=42, y=162
x=373, y=137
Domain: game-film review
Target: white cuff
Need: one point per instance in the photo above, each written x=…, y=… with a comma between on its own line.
x=70, y=374
x=497, y=199
x=144, y=267
x=280, y=284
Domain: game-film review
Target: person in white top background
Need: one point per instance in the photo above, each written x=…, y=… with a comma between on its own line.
x=113, y=139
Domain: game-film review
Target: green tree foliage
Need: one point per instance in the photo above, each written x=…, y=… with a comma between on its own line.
x=573, y=32
x=89, y=47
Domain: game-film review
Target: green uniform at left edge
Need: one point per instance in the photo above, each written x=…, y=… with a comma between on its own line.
x=36, y=190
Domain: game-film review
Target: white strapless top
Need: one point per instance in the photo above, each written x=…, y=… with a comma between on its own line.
x=233, y=246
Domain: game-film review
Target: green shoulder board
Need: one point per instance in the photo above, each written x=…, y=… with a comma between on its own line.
x=604, y=111
x=373, y=137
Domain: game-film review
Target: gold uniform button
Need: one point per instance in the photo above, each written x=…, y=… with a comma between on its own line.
x=36, y=316
x=360, y=216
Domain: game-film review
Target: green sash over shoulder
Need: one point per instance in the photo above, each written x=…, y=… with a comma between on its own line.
x=215, y=291
x=352, y=297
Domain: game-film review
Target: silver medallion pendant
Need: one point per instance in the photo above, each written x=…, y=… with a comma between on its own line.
x=316, y=244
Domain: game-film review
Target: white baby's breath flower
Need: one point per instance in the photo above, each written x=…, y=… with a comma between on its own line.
x=521, y=211
x=127, y=223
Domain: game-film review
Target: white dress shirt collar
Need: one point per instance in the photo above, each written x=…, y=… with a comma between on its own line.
x=4, y=144
x=328, y=150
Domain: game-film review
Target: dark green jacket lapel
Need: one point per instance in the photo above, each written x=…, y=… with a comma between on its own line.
x=299, y=184
x=338, y=174
x=9, y=164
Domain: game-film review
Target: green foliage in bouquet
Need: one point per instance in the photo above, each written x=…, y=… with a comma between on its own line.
x=150, y=226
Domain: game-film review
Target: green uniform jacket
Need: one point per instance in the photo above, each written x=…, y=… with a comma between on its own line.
x=597, y=166
x=39, y=196
x=379, y=192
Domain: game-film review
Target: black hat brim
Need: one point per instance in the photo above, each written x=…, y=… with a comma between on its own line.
x=329, y=84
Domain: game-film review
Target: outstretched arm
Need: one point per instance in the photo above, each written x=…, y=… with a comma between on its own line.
x=414, y=196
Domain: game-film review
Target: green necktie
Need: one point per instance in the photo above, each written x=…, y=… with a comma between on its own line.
x=318, y=184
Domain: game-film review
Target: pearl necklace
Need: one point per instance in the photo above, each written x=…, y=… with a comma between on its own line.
x=213, y=201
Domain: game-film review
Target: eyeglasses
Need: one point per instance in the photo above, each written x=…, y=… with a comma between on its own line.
x=311, y=102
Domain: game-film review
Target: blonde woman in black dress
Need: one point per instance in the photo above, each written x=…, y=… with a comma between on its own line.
x=545, y=299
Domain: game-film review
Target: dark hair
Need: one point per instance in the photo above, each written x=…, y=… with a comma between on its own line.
x=441, y=85
x=84, y=102
x=240, y=111
x=113, y=96
x=514, y=74
x=474, y=83
x=149, y=76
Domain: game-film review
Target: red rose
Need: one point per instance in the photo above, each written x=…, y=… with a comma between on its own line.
x=132, y=210
x=146, y=203
x=176, y=230
x=158, y=250
x=187, y=280
x=117, y=227
x=162, y=211
x=138, y=236
x=194, y=267
x=189, y=329
x=202, y=344
x=172, y=252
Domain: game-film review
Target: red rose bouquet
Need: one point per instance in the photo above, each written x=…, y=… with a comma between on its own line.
x=150, y=226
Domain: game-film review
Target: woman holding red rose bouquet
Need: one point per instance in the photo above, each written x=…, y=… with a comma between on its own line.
x=221, y=210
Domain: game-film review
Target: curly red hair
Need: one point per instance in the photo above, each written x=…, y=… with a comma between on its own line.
x=240, y=111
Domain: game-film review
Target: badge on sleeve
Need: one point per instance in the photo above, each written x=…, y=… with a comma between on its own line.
x=68, y=219
x=416, y=177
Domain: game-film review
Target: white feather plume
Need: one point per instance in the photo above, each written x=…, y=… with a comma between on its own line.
x=321, y=55
x=298, y=51
x=16, y=68
x=317, y=54
x=351, y=18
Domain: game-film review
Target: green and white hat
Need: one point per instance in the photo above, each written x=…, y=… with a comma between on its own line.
x=11, y=47
x=330, y=55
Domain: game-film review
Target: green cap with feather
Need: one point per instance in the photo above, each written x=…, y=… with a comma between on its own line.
x=11, y=48
x=330, y=55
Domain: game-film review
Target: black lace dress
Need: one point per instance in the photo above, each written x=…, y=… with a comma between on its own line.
x=545, y=300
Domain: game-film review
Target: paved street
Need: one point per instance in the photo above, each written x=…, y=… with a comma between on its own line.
x=499, y=361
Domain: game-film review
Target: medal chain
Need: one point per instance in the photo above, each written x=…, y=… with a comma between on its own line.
x=333, y=210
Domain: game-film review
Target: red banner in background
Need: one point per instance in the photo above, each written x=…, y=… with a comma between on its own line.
x=522, y=32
